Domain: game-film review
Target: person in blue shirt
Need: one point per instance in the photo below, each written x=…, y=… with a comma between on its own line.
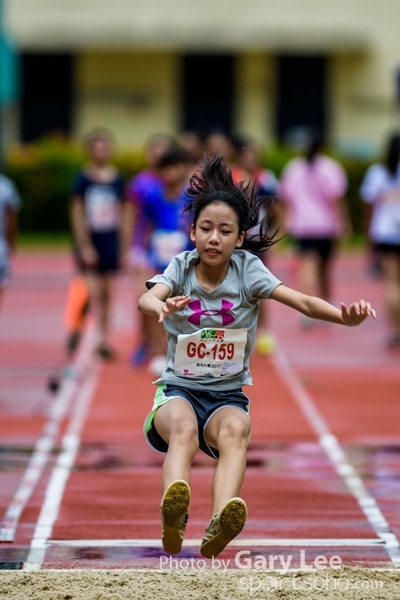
x=168, y=235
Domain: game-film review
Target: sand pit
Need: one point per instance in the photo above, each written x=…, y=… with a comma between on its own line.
x=327, y=584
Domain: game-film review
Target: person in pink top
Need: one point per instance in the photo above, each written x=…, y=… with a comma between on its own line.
x=311, y=191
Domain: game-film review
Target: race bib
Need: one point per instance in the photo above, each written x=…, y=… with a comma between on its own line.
x=210, y=352
x=167, y=244
x=102, y=208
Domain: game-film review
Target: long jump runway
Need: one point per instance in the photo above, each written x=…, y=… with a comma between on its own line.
x=79, y=487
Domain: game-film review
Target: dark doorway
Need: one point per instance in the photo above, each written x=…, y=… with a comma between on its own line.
x=208, y=92
x=46, y=102
x=301, y=96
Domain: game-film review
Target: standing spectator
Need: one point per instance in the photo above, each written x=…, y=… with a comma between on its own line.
x=380, y=189
x=218, y=142
x=101, y=226
x=9, y=205
x=193, y=143
x=248, y=168
x=138, y=189
x=169, y=235
x=312, y=189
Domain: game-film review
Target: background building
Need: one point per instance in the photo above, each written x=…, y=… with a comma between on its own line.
x=268, y=68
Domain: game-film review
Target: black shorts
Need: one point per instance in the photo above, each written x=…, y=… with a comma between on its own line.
x=388, y=248
x=205, y=404
x=323, y=247
x=108, y=252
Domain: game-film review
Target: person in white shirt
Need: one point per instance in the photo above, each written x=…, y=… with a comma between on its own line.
x=381, y=190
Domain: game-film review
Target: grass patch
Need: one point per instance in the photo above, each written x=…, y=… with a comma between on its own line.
x=46, y=239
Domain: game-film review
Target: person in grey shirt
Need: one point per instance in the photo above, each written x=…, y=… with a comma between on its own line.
x=9, y=205
x=208, y=300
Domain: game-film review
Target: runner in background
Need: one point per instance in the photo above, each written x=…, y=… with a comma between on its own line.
x=169, y=233
x=311, y=192
x=102, y=229
x=218, y=142
x=9, y=205
x=248, y=169
x=193, y=143
x=380, y=189
x=136, y=192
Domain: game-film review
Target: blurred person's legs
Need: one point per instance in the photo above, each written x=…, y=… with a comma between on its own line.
x=390, y=262
x=151, y=345
x=140, y=273
x=76, y=309
x=100, y=293
x=4, y=278
x=325, y=271
x=315, y=269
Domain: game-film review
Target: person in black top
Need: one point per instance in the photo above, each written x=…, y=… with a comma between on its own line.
x=102, y=227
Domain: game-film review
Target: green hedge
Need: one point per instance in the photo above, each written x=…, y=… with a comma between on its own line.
x=44, y=172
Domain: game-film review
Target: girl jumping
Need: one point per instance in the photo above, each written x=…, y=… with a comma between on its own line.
x=208, y=300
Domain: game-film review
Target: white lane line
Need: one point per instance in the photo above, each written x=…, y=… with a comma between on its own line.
x=45, y=444
x=338, y=458
x=61, y=471
x=252, y=542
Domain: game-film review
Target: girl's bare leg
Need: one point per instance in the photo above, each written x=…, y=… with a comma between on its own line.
x=391, y=291
x=228, y=430
x=176, y=423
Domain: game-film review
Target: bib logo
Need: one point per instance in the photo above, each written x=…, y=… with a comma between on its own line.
x=198, y=312
x=212, y=334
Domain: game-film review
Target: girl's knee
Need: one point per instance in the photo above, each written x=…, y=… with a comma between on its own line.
x=185, y=432
x=234, y=430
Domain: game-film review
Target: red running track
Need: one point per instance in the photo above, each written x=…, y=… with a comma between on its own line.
x=81, y=488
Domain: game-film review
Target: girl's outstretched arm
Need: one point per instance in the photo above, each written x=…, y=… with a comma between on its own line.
x=156, y=302
x=316, y=308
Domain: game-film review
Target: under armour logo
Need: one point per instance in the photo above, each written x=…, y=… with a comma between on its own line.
x=198, y=312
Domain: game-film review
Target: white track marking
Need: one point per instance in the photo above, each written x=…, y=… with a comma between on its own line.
x=45, y=444
x=241, y=542
x=338, y=458
x=55, y=488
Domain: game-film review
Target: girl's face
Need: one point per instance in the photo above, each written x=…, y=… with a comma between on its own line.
x=216, y=234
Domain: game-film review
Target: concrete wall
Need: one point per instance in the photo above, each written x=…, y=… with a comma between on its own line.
x=133, y=94
x=128, y=72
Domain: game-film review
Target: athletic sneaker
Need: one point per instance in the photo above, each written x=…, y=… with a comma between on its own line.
x=106, y=352
x=140, y=355
x=174, y=515
x=393, y=341
x=224, y=526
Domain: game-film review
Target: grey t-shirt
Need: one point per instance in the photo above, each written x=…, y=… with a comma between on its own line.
x=234, y=305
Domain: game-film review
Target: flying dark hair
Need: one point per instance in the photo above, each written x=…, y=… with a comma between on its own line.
x=393, y=154
x=214, y=184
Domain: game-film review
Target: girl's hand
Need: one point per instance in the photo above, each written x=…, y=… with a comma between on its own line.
x=356, y=313
x=172, y=305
